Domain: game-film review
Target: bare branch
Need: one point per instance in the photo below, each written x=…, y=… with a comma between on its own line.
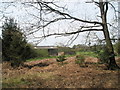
x=106, y=4
x=87, y=37
x=68, y=15
x=90, y=26
x=72, y=40
x=70, y=33
x=112, y=26
x=114, y=9
x=57, y=19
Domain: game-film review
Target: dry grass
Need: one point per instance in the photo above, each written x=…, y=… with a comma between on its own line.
x=69, y=75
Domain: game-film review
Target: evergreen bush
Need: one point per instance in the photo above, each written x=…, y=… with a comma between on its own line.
x=14, y=45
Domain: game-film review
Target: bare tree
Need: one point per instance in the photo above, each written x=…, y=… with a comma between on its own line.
x=51, y=8
x=103, y=9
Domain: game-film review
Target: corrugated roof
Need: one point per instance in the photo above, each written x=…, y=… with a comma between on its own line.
x=45, y=47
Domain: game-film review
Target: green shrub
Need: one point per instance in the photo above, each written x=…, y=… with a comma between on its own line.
x=103, y=56
x=78, y=62
x=14, y=45
x=29, y=52
x=61, y=58
x=80, y=59
x=117, y=48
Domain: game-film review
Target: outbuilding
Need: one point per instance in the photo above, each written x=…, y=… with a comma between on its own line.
x=52, y=50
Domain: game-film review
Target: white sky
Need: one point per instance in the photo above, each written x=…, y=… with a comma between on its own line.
x=77, y=8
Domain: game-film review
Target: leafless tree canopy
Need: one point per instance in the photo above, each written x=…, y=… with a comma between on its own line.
x=52, y=12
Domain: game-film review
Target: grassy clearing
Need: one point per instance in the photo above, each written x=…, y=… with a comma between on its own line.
x=25, y=79
x=14, y=81
x=47, y=57
x=92, y=54
x=88, y=53
x=40, y=58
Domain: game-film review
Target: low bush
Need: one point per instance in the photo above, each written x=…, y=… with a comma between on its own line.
x=78, y=62
x=61, y=58
x=29, y=52
x=15, y=47
x=103, y=56
x=80, y=59
x=117, y=48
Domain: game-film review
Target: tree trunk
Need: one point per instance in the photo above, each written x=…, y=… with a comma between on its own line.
x=111, y=59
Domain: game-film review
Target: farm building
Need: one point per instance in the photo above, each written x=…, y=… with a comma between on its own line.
x=52, y=50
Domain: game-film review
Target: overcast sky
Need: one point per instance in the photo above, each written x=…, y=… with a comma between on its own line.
x=77, y=8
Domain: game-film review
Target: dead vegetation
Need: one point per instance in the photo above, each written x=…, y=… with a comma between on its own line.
x=50, y=74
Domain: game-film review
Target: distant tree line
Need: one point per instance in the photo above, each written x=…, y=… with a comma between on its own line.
x=96, y=47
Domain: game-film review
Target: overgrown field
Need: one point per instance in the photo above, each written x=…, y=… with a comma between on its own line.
x=48, y=73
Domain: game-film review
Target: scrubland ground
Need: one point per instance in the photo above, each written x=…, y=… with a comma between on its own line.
x=48, y=73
